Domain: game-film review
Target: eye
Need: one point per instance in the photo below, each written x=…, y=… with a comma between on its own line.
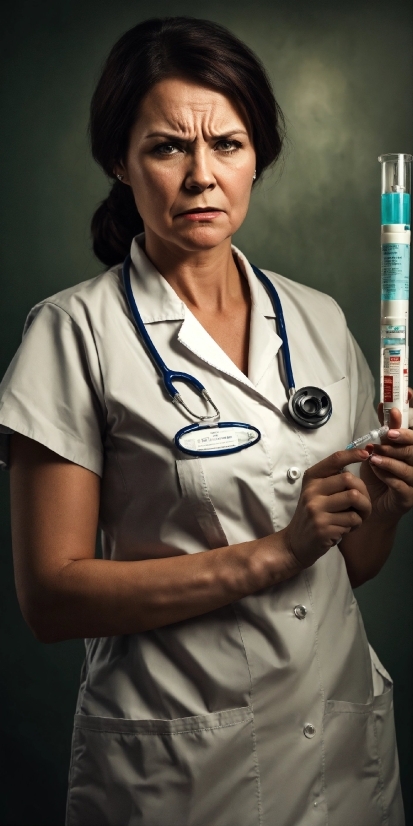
x=165, y=149
x=228, y=146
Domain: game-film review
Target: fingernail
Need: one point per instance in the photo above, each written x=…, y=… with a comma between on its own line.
x=393, y=434
x=376, y=460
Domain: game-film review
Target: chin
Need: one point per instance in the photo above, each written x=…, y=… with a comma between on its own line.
x=201, y=238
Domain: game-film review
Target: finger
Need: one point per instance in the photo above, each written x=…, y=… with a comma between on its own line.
x=410, y=396
x=402, y=436
x=395, y=419
x=346, y=521
x=335, y=463
x=400, y=470
x=341, y=502
x=335, y=484
x=395, y=416
x=336, y=533
x=402, y=491
x=354, y=482
x=404, y=453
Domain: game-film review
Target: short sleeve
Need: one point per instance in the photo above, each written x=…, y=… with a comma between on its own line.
x=52, y=391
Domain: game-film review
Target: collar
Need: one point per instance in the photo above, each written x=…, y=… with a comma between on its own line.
x=158, y=302
x=156, y=299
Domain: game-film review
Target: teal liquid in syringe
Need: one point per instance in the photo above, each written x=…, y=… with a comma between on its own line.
x=395, y=208
x=395, y=219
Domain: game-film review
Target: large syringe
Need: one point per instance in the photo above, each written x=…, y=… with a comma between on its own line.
x=395, y=259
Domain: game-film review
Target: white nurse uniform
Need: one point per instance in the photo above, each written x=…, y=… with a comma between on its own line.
x=272, y=711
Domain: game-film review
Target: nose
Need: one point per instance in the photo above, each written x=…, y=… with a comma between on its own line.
x=199, y=174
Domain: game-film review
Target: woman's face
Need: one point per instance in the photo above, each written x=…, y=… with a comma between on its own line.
x=190, y=164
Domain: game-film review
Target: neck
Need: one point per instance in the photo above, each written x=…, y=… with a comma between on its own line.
x=205, y=280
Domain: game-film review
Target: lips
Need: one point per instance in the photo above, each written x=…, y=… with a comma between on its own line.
x=197, y=213
x=199, y=209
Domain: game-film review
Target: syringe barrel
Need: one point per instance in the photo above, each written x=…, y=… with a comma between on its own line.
x=395, y=189
x=395, y=261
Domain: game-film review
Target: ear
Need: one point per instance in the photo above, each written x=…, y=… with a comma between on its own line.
x=120, y=172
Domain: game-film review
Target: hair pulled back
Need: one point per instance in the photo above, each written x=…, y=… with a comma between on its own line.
x=199, y=50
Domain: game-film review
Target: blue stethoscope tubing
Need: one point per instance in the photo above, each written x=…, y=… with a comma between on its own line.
x=168, y=375
x=310, y=407
x=275, y=298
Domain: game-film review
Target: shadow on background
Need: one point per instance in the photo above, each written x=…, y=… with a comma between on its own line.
x=343, y=75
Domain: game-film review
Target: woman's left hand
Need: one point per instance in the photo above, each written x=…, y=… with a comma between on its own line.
x=388, y=474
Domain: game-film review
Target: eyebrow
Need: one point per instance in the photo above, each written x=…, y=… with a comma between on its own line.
x=175, y=137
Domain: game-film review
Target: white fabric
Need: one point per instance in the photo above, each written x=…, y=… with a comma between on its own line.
x=203, y=722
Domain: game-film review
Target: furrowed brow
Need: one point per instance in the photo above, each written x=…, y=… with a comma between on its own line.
x=176, y=137
x=170, y=136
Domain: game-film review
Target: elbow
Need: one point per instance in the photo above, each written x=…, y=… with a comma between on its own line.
x=41, y=621
x=356, y=581
x=41, y=627
x=45, y=634
x=41, y=636
x=358, y=578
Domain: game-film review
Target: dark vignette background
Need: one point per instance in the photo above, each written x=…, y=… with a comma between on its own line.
x=343, y=75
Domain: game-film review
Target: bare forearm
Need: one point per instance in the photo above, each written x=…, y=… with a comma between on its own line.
x=366, y=549
x=99, y=598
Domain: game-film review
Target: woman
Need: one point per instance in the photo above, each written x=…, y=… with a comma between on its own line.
x=228, y=680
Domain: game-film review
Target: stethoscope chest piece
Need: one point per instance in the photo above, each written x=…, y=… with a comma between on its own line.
x=310, y=407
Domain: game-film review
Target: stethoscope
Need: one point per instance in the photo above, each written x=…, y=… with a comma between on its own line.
x=309, y=407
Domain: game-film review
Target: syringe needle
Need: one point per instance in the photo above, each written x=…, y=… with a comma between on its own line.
x=373, y=434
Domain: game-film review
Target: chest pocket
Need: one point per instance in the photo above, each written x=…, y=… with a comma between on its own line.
x=232, y=497
x=194, y=489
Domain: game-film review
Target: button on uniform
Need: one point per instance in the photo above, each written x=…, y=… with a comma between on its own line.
x=293, y=473
x=309, y=730
x=300, y=611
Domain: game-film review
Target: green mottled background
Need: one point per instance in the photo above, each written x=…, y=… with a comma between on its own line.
x=343, y=75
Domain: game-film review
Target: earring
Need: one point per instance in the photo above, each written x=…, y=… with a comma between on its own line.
x=120, y=177
x=254, y=177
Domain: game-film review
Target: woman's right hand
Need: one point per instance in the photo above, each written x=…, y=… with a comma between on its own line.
x=331, y=503
x=66, y=593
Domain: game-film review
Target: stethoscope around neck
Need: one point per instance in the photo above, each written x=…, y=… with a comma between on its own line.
x=310, y=407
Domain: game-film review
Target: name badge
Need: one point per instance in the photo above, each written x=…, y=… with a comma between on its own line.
x=218, y=440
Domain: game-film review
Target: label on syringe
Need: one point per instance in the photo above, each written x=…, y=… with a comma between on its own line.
x=393, y=334
x=393, y=374
x=395, y=272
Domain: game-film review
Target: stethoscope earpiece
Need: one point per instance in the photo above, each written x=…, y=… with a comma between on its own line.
x=310, y=407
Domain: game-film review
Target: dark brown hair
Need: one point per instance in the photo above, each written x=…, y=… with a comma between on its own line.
x=199, y=50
